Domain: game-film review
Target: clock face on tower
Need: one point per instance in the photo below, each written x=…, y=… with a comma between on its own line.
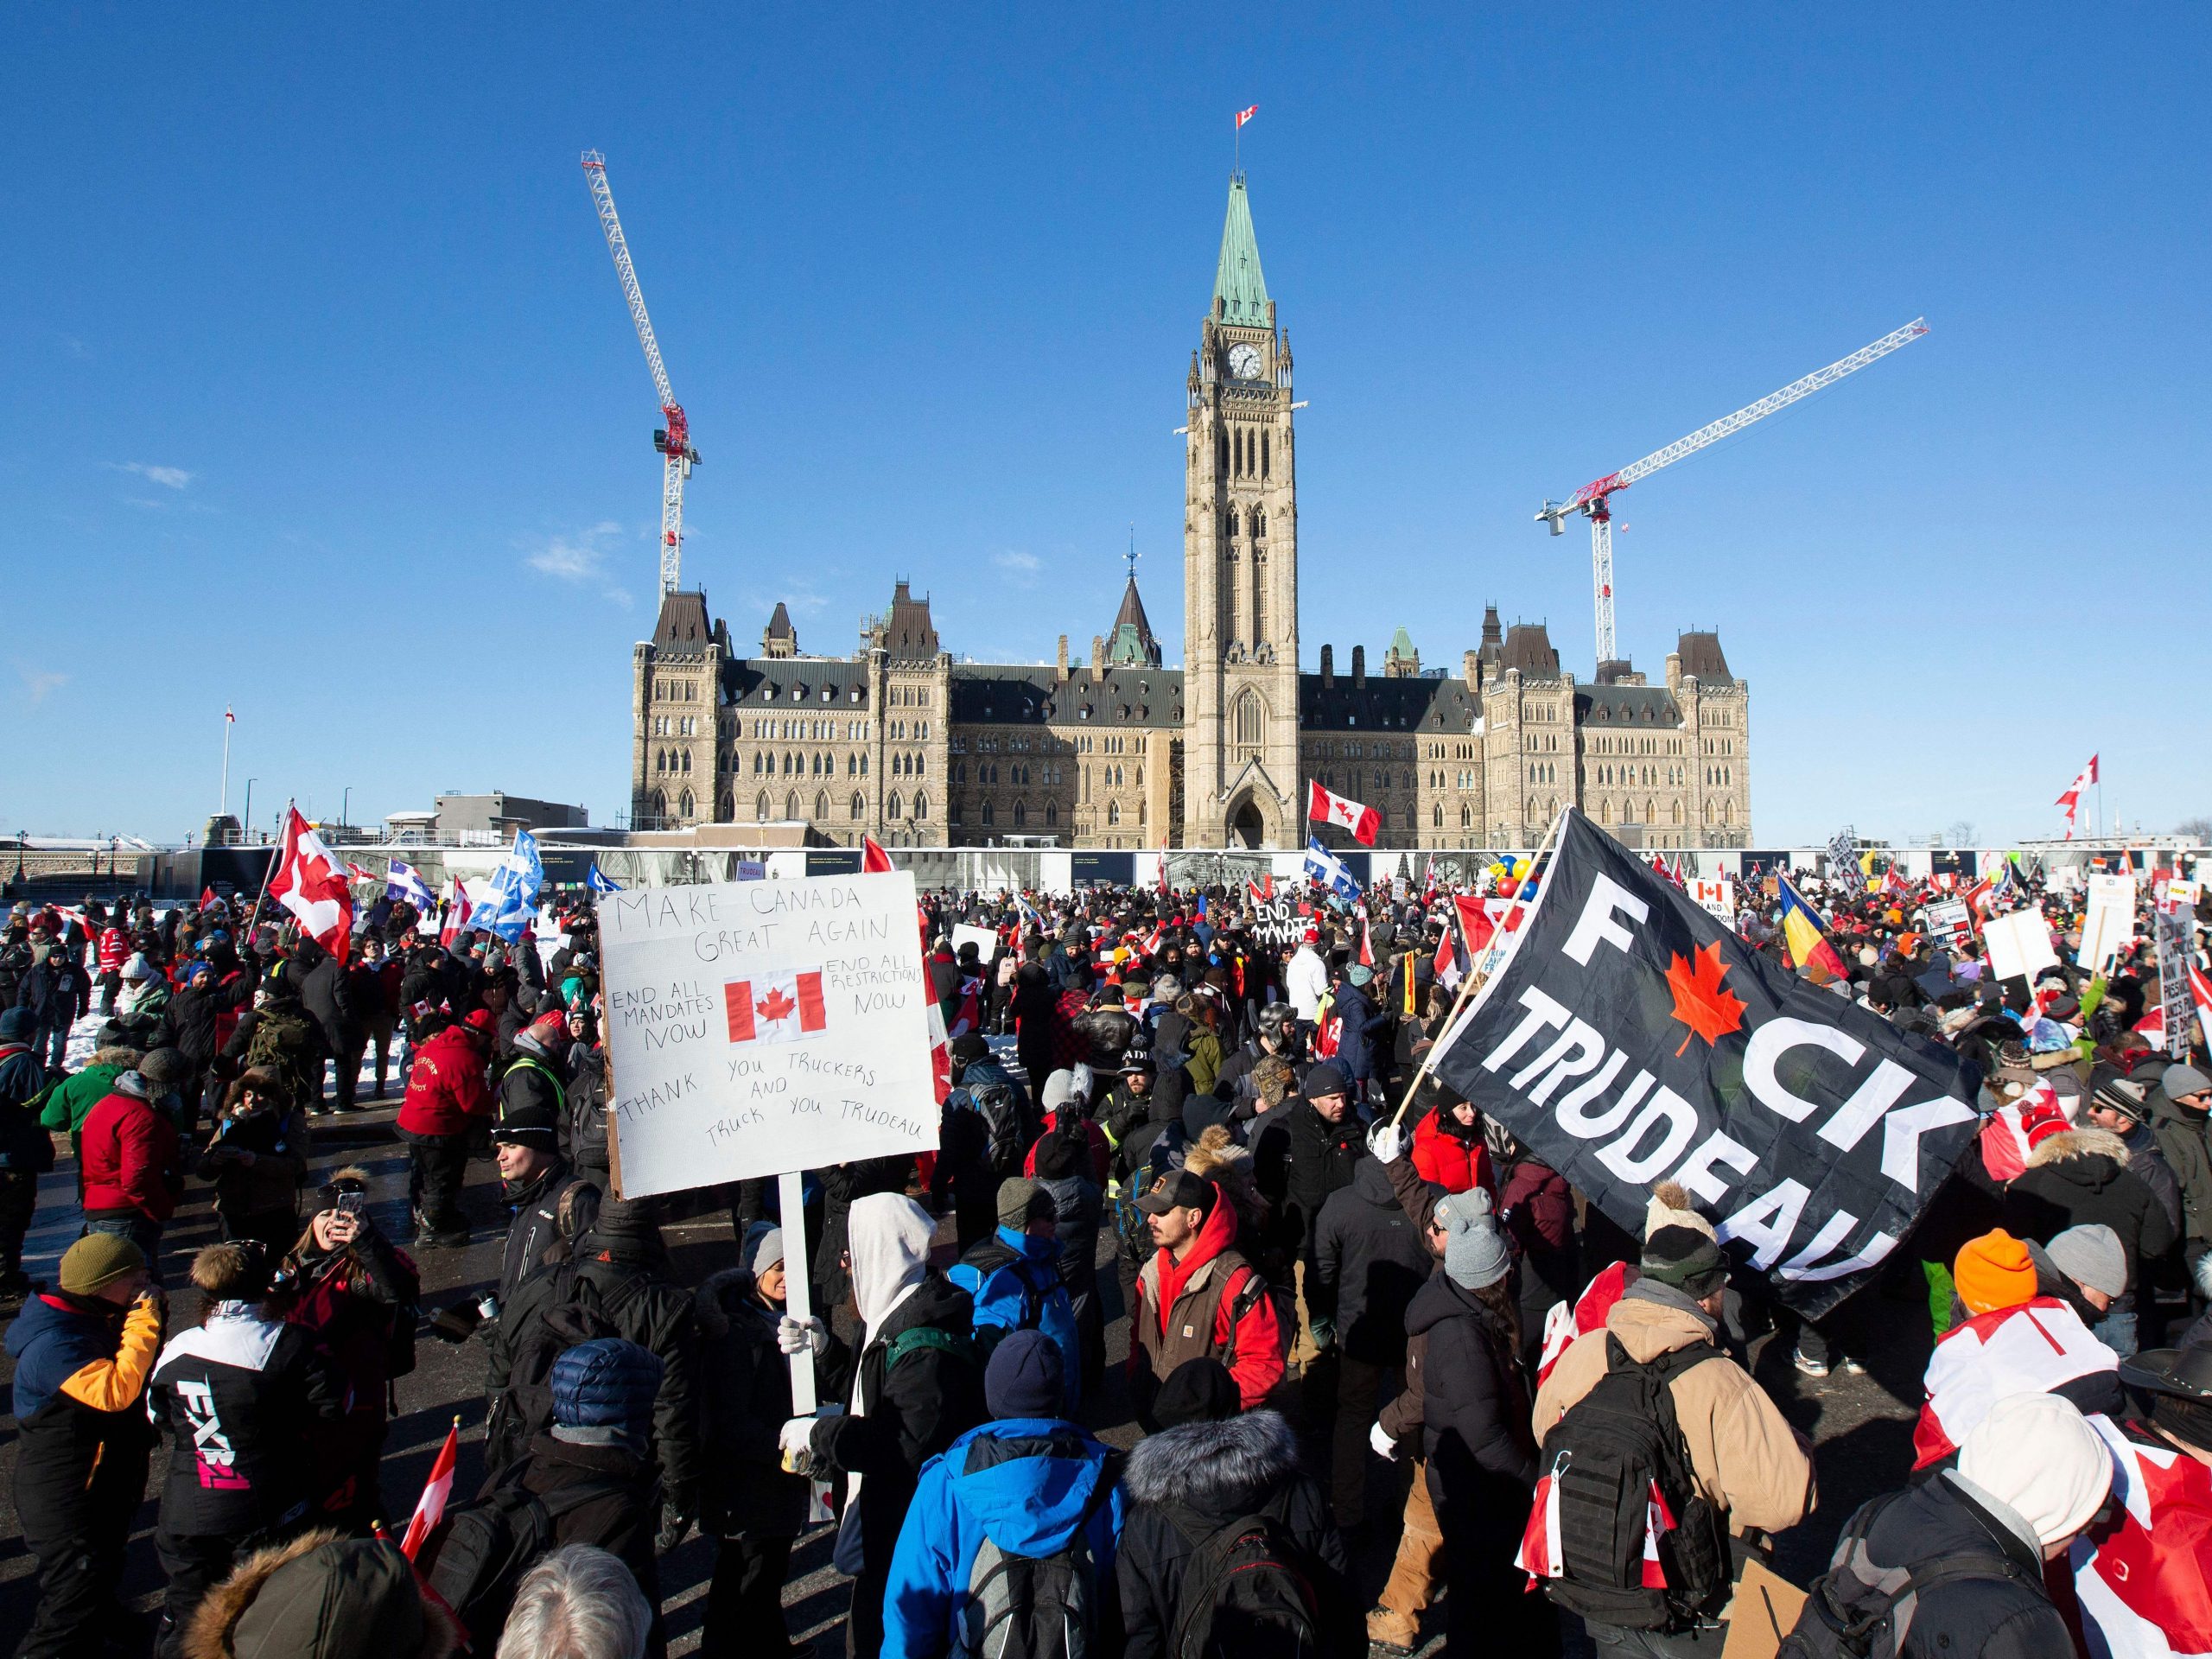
x=1245, y=362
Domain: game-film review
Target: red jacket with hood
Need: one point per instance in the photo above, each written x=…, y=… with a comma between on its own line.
x=446, y=1091
x=128, y=1157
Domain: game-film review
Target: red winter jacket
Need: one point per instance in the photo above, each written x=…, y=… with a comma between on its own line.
x=1537, y=1207
x=1453, y=1163
x=127, y=1153
x=114, y=949
x=446, y=1092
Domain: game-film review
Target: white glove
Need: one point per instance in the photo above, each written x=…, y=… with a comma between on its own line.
x=1387, y=1142
x=1385, y=1447
x=794, y=1336
x=796, y=1441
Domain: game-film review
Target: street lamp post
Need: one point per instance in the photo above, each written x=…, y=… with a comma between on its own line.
x=344, y=804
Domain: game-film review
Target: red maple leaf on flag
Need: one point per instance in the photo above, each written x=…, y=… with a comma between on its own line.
x=1699, y=1002
x=775, y=1005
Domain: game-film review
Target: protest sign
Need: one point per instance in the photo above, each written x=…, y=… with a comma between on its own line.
x=1279, y=922
x=985, y=941
x=2018, y=944
x=760, y=1026
x=1717, y=895
x=1630, y=1037
x=2108, y=922
x=1952, y=917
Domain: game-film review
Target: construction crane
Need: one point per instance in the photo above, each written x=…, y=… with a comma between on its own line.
x=1594, y=499
x=673, y=439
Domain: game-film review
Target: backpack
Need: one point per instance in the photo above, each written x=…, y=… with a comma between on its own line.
x=917, y=1337
x=281, y=1037
x=1606, y=1453
x=1008, y=1124
x=1864, y=1611
x=1247, y=1590
x=1037, y=1607
x=482, y=1549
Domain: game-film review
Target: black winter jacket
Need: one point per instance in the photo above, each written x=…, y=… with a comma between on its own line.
x=538, y=1223
x=621, y=1516
x=745, y=1400
x=1481, y=1450
x=2080, y=1177
x=1368, y=1262
x=329, y=1004
x=1320, y=1157
x=649, y=1308
x=909, y=1413
x=1221, y=1472
x=2000, y=1617
x=237, y=1394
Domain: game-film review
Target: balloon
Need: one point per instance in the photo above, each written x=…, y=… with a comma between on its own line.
x=1500, y=870
x=1520, y=867
x=1506, y=886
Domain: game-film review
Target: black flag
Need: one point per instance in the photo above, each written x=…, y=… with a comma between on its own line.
x=1630, y=1037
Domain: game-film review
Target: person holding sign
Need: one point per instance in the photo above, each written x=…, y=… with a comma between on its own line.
x=918, y=1388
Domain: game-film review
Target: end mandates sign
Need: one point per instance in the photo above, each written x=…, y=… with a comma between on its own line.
x=1631, y=1037
x=756, y=1027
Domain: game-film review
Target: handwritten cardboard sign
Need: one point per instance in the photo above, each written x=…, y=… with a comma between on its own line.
x=760, y=1026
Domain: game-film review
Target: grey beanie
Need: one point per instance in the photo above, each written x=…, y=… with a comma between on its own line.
x=1474, y=1251
x=2091, y=1255
x=764, y=1248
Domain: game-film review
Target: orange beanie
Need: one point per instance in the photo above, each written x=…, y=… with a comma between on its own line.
x=1993, y=1271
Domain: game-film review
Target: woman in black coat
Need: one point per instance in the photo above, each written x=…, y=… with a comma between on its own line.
x=1481, y=1450
x=749, y=1502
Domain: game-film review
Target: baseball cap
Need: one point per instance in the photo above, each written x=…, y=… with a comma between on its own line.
x=1180, y=1189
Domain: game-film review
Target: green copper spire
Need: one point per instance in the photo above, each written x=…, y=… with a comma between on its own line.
x=1240, y=292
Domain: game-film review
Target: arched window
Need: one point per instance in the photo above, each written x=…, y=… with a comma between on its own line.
x=1020, y=814
x=987, y=812
x=1248, y=720
x=728, y=809
x=1113, y=811
x=1051, y=813
x=760, y=807
x=1225, y=467
x=822, y=807
x=921, y=804
x=660, y=805
x=859, y=806
x=1259, y=520
x=1678, y=812
x=890, y=808
x=1263, y=456
x=791, y=805
x=688, y=803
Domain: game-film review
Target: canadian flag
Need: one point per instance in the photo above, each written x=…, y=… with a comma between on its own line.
x=1323, y=807
x=873, y=859
x=774, y=1008
x=1244, y=115
x=312, y=884
x=1540, y=1553
x=1263, y=891
x=430, y=1508
x=2140, y=1574
x=1658, y=1522
x=1152, y=940
x=2071, y=798
x=2011, y=1134
x=940, y=1053
x=2200, y=992
x=1474, y=922
x=1366, y=945
x=457, y=911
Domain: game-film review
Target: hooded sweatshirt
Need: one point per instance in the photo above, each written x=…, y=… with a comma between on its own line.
x=1246, y=1334
x=1027, y=1486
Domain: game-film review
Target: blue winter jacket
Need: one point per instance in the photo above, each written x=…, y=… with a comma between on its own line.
x=1016, y=1284
x=1025, y=1484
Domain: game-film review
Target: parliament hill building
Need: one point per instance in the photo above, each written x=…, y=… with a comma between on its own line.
x=905, y=741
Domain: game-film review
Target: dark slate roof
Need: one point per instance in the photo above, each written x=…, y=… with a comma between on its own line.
x=1419, y=704
x=909, y=634
x=1132, y=611
x=779, y=623
x=764, y=680
x=1528, y=648
x=991, y=694
x=1700, y=655
x=681, y=629
x=1647, y=707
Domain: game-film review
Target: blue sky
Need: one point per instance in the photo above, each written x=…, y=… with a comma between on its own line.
x=321, y=400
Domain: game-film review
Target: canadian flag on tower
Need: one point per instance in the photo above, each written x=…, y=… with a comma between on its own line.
x=1322, y=807
x=2071, y=799
x=1242, y=116
x=312, y=884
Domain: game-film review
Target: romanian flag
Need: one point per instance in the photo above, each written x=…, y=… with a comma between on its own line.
x=1809, y=941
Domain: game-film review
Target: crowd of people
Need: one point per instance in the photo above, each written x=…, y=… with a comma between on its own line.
x=1340, y=1280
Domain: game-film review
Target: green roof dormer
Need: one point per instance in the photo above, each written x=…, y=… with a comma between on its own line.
x=1240, y=292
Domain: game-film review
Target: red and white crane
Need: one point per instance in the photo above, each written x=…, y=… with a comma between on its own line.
x=1594, y=498
x=672, y=439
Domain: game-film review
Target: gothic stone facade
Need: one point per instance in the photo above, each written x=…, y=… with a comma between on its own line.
x=902, y=742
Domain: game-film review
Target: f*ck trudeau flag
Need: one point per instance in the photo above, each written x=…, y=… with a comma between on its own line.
x=1630, y=1037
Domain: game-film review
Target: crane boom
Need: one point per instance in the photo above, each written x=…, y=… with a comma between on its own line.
x=673, y=441
x=1592, y=498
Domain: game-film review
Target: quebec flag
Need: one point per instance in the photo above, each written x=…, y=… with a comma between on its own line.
x=599, y=882
x=1324, y=867
x=510, y=906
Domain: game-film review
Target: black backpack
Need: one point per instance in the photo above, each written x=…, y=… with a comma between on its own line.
x=1011, y=1128
x=1038, y=1608
x=1605, y=1454
x=1860, y=1610
x=1247, y=1590
x=481, y=1549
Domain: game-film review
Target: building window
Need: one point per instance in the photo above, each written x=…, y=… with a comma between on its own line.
x=859, y=806
x=986, y=814
x=688, y=803
x=921, y=804
x=1021, y=815
x=1249, y=719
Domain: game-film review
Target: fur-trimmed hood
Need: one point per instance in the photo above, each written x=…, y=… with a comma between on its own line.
x=1217, y=1156
x=2069, y=1145
x=343, y=1615
x=1215, y=1468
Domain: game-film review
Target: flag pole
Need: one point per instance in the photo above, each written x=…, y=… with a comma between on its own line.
x=223, y=807
x=275, y=855
x=1468, y=985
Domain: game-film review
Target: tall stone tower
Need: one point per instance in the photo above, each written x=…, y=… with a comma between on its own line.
x=1240, y=563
